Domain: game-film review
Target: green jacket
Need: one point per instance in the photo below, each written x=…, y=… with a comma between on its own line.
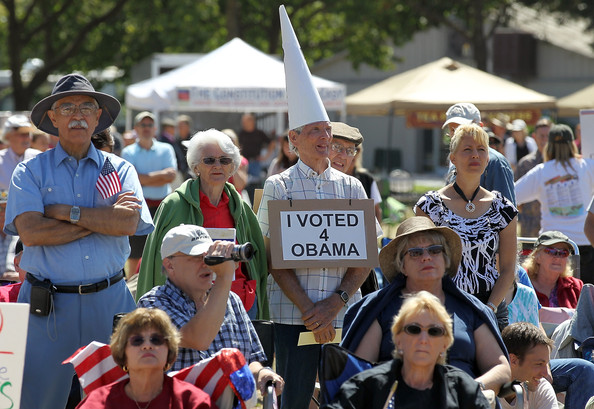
x=183, y=207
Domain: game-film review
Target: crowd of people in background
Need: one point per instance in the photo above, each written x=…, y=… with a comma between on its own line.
x=201, y=180
x=97, y=224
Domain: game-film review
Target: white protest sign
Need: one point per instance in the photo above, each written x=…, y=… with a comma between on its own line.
x=322, y=233
x=220, y=233
x=217, y=233
x=14, y=319
x=587, y=124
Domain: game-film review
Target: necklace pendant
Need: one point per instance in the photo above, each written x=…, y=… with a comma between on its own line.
x=470, y=207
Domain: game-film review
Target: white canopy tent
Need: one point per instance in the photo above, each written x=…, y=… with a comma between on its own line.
x=235, y=77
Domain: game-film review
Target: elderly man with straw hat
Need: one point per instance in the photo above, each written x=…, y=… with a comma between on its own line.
x=306, y=299
x=73, y=207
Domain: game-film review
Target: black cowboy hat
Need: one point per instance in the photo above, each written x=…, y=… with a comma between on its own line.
x=75, y=84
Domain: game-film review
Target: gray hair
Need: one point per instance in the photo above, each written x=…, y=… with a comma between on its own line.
x=292, y=147
x=202, y=139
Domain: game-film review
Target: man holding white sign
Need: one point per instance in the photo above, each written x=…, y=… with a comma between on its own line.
x=307, y=299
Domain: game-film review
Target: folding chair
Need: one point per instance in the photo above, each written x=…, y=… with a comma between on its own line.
x=265, y=331
x=337, y=364
x=510, y=388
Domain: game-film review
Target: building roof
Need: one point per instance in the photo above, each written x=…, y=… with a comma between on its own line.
x=568, y=33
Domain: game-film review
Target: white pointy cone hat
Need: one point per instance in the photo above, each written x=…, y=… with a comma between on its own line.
x=305, y=104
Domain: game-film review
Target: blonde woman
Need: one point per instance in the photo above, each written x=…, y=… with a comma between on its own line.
x=551, y=274
x=485, y=221
x=417, y=376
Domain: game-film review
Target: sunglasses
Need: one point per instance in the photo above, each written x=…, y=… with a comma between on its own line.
x=432, y=330
x=494, y=141
x=553, y=252
x=138, y=340
x=223, y=160
x=416, y=252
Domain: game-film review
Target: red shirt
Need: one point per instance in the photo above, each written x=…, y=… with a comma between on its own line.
x=568, y=293
x=10, y=292
x=176, y=394
x=220, y=217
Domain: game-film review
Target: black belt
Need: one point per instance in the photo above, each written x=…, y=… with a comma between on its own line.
x=83, y=288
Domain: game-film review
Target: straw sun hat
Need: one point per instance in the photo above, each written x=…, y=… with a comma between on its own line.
x=414, y=225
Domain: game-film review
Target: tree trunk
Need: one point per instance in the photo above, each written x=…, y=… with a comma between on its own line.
x=232, y=16
x=479, y=42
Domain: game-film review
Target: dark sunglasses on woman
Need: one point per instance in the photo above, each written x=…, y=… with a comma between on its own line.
x=432, y=330
x=138, y=340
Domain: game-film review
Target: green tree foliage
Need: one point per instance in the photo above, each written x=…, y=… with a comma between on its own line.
x=59, y=32
x=93, y=34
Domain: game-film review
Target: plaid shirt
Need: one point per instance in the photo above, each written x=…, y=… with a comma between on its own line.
x=302, y=182
x=7, y=247
x=236, y=331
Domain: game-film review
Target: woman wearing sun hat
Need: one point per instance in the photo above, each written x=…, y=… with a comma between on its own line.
x=425, y=257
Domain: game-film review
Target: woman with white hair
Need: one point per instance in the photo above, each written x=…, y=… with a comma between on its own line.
x=208, y=200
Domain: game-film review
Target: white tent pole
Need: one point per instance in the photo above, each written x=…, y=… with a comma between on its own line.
x=343, y=113
x=279, y=123
x=128, y=119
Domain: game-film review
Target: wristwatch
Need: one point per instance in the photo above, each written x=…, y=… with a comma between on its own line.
x=492, y=306
x=74, y=214
x=344, y=296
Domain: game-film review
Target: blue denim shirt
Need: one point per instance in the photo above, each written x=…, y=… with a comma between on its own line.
x=54, y=177
x=160, y=156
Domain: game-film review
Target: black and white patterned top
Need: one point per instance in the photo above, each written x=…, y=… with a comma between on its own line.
x=480, y=239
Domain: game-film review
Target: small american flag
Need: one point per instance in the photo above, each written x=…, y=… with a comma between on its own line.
x=95, y=367
x=108, y=182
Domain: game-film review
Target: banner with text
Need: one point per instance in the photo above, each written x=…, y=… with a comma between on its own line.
x=14, y=318
x=322, y=233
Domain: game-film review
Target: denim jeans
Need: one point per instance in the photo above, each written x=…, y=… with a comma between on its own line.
x=298, y=365
x=575, y=377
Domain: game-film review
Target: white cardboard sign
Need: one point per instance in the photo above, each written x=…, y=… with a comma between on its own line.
x=14, y=319
x=322, y=233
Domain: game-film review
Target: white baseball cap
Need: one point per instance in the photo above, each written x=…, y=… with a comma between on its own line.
x=18, y=121
x=462, y=113
x=186, y=238
x=518, y=125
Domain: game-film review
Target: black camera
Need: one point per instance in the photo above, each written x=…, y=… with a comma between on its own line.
x=241, y=252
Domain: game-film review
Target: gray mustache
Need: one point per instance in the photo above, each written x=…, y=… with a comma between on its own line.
x=78, y=123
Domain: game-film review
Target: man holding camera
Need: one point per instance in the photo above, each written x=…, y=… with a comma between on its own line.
x=199, y=301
